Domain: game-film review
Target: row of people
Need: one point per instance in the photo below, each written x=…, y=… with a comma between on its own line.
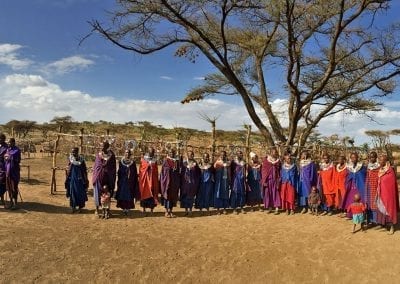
x=271, y=182
x=10, y=158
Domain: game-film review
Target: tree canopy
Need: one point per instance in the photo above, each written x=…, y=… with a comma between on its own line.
x=327, y=56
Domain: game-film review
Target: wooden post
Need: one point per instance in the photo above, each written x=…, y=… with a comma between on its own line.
x=81, y=142
x=53, y=188
x=53, y=181
x=29, y=149
x=248, y=135
x=214, y=139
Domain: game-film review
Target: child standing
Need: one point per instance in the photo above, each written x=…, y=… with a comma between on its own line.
x=105, y=200
x=314, y=201
x=357, y=209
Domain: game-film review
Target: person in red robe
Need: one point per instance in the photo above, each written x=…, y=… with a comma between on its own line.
x=326, y=183
x=339, y=181
x=290, y=181
x=387, y=195
x=149, y=184
x=371, y=186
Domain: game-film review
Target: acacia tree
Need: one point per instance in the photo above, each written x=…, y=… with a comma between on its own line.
x=21, y=127
x=329, y=56
x=65, y=121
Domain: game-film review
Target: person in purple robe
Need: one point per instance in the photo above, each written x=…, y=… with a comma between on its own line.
x=308, y=179
x=12, y=160
x=170, y=181
x=355, y=182
x=205, y=195
x=3, y=150
x=76, y=182
x=127, y=183
x=190, y=182
x=271, y=180
x=238, y=192
x=104, y=173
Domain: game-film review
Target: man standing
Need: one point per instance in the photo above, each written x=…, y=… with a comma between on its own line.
x=104, y=173
x=3, y=150
x=76, y=183
x=149, y=185
x=387, y=198
x=371, y=186
x=271, y=180
x=12, y=160
x=170, y=180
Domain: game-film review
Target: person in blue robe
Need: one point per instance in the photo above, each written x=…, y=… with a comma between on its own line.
x=355, y=181
x=238, y=192
x=127, y=183
x=190, y=182
x=76, y=183
x=308, y=179
x=253, y=195
x=205, y=196
x=222, y=183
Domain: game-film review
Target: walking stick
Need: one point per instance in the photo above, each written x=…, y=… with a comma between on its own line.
x=20, y=196
x=5, y=200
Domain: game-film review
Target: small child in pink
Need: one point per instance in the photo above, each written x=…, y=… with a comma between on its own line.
x=357, y=209
x=105, y=200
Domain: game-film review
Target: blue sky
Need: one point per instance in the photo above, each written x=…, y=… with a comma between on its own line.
x=44, y=73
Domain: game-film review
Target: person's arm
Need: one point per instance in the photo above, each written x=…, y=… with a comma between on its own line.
x=67, y=179
x=85, y=175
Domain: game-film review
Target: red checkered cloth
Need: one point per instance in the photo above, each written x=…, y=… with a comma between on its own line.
x=371, y=186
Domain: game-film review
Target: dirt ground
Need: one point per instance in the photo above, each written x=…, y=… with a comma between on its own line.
x=44, y=242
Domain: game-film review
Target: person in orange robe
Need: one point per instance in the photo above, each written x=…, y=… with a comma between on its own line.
x=339, y=181
x=387, y=195
x=149, y=184
x=326, y=183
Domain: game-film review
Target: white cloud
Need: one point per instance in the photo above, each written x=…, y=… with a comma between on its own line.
x=34, y=98
x=68, y=64
x=198, y=78
x=9, y=56
x=166, y=78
